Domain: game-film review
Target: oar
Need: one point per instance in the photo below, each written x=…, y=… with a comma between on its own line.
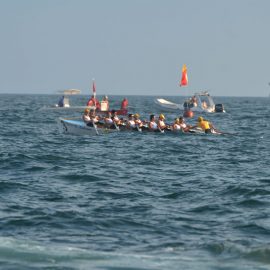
x=221, y=132
x=138, y=128
x=116, y=126
x=95, y=126
x=161, y=130
x=226, y=133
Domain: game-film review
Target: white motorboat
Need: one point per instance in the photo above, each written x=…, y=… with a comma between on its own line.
x=199, y=102
x=64, y=100
x=64, y=104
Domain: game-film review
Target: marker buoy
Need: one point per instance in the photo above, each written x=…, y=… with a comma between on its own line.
x=188, y=114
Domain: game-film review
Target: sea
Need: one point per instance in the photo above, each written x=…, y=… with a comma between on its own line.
x=131, y=200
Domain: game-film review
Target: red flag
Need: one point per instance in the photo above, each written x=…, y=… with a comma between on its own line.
x=184, y=79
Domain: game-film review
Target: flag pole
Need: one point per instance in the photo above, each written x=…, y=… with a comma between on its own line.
x=184, y=78
x=94, y=91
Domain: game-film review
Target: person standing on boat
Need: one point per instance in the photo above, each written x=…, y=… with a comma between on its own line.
x=204, y=105
x=124, y=104
x=194, y=101
x=104, y=105
x=93, y=102
x=61, y=101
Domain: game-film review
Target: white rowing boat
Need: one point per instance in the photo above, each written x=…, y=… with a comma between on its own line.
x=79, y=127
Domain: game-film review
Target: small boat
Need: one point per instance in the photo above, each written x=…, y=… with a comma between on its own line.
x=64, y=104
x=199, y=102
x=168, y=105
x=64, y=100
x=77, y=126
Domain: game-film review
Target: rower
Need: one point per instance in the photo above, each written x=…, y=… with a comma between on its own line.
x=161, y=124
x=108, y=119
x=115, y=118
x=131, y=122
x=138, y=121
x=86, y=117
x=176, y=125
x=94, y=119
x=183, y=125
x=152, y=125
x=204, y=125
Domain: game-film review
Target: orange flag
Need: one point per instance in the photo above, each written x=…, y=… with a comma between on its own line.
x=184, y=80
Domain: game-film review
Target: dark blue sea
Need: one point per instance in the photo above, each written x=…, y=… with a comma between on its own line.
x=133, y=201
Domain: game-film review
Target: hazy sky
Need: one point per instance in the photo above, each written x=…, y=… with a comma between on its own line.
x=135, y=47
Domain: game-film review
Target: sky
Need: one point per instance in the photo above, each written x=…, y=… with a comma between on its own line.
x=135, y=47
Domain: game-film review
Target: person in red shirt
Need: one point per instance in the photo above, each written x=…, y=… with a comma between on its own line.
x=124, y=104
x=93, y=102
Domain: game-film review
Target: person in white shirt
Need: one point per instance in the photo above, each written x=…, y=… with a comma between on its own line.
x=176, y=125
x=130, y=122
x=152, y=125
x=108, y=120
x=86, y=118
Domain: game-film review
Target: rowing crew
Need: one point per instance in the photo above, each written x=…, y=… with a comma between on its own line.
x=111, y=120
x=180, y=125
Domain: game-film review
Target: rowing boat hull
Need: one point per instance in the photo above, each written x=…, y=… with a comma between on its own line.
x=78, y=127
